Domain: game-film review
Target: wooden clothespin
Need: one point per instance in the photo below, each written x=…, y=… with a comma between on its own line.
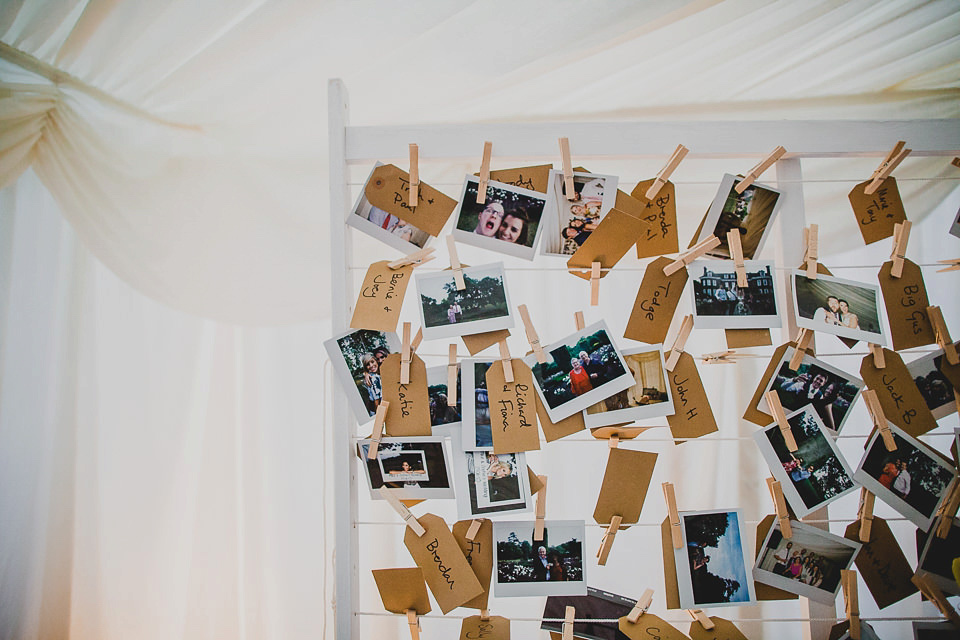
x=675, y=158
x=865, y=514
x=416, y=259
x=414, y=176
x=690, y=255
x=377, y=430
x=473, y=529
x=578, y=320
x=594, y=284
x=943, y=336
x=569, y=615
x=702, y=618
x=670, y=496
x=485, y=614
x=952, y=265
x=455, y=264
x=402, y=510
x=736, y=252
x=541, y=510
x=780, y=505
x=414, y=621
x=879, y=419
x=849, y=580
x=607, y=542
x=955, y=162
x=776, y=410
x=532, y=336
x=948, y=510
x=879, y=360
x=761, y=166
x=506, y=360
x=641, y=607
x=934, y=594
x=721, y=357
x=614, y=440
x=417, y=339
x=891, y=162
x=567, y=169
x=901, y=234
x=679, y=342
x=810, y=255
x=452, y=371
x=803, y=341
x=406, y=355
x=484, y=173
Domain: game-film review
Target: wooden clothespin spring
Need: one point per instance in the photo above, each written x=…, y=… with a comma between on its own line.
x=413, y=620
x=943, y=336
x=455, y=264
x=569, y=616
x=532, y=336
x=567, y=163
x=879, y=361
x=679, y=343
x=671, y=499
x=377, y=429
x=803, y=342
x=757, y=170
x=416, y=258
x=506, y=361
x=594, y=284
x=406, y=355
x=484, y=173
x=402, y=510
x=473, y=529
x=414, y=198
x=901, y=234
x=736, y=252
x=641, y=607
x=699, y=616
x=849, y=579
x=541, y=510
x=812, y=243
x=780, y=505
x=879, y=419
x=776, y=410
x=692, y=254
x=891, y=162
x=675, y=158
x=607, y=542
x=865, y=514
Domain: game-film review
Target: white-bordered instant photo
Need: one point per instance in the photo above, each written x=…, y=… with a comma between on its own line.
x=446, y=312
x=490, y=484
x=417, y=467
x=477, y=434
x=648, y=397
x=929, y=630
x=383, y=226
x=581, y=370
x=807, y=564
x=442, y=413
x=844, y=308
x=718, y=303
x=815, y=474
x=936, y=556
x=751, y=212
x=866, y=631
x=574, y=220
x=510, y=221
x=554, y=566
x=935, y=388
x=913, y=479
x=714, y=565
x=356, y=356
x=831, y=391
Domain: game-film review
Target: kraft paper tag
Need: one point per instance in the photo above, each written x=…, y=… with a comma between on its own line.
x=479, y=555
x=625, y=483
x=882, y=564
x=445, y=568
x=556, y=430
x=743, y=338
x=409, y=410
x=906, y=301
x=389, y=189
x=765, y=591
x=656, y=302
x=513, y=409
x=722, y=630
x=402, y=589
x=877, y=213
x=477, y=342
x=902, y=403
x=754, y=413
x=535, y=483
x=617, y=232
x=671, y=587
x=693, y=415
x=381, y=296
x=496, y=628
x=661, y=235
x=650, y=627
x=535, y=178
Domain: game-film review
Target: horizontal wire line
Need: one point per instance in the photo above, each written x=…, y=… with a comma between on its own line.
x=709, y=182
x=706, y=438
x=364, y=267
x=643, y=524
x=671, y=620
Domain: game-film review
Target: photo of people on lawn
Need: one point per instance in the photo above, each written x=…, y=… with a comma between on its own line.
x=483, y=305
x=552, y=566
x=719, y=303
x=829, y=390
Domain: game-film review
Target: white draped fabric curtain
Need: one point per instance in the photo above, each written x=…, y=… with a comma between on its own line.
x=163, y=242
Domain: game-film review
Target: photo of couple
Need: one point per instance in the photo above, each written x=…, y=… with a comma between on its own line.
x=483, y=305
x=507, y=221
x=716, y=572
x=719, y=303
x=356, y=357
x=844, y=308
x=594, y=195
x=552, y=566
x=489, y=483
x=829, y=390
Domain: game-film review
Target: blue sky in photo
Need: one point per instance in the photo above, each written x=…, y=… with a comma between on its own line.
x=727, y=561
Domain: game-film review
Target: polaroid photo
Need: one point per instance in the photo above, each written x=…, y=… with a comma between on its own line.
x=913, y=479
x=751, y=213
x=866, y=631
x=648, y=397
x=356, y=356
x=477, y=434
x=831, y=391
x=490, y=484
x=553, y=566
x=600, y=609
x=574, y=220
x=807, y=564
x=714, y=565
x=718, y=303
x=508, y=222
x=935, y=388
x=845, y=308
x=932, y=630
x=581, y=370
x=815, y=474
x=936, y=556
x=442, y=413
x=383, y=226
x=446, y=312
x=419, y=467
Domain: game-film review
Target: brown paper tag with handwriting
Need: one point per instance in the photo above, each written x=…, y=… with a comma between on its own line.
x=477, y=342
x=513, y=409
x=906, y=301
x=556, y=430
x=535, y=178
x=402, y=589
x=765, y=591
x=617, y=232
x=445, y=569
x=693, y=415
x=389, y=189
x=881, y=563
x=899, y=397
x=625, y=483
x=381, y=296
x=494, y=628
x=671, y=586
x=650, y=627
x=877, y=213
x=661, y=235
x=744, y=338
x=409, y=410
x=479, y=555
x=723, y=629
x=656, y=302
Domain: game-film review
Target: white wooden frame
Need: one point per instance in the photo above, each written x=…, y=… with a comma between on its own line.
x=363, y=145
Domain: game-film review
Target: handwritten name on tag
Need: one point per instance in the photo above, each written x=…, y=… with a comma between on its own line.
x=479, y=555
x=389, y=189
x=381, y=296
x=882, y=564
x=494, y=628
x=650, y=627
x=535, y=178
x=722, y=630
x=409, y=410
x=694, y=416
x=661, y=236
x=906, y=301
x=656, y=302
x=513, y=409
x=902, y=403
x=445, y=569
x=877, y=213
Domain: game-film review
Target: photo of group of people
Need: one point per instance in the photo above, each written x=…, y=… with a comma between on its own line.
x=552, y=566
x=750, y=213
x=356, y=357
x=719, y=303
x=386, y=227
x=842, y=307
x=935, y=388
x=712, y=567
x=508, y=220
x=417, y=467
x=594, y=196
x=648, y=397
x=483, y=305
